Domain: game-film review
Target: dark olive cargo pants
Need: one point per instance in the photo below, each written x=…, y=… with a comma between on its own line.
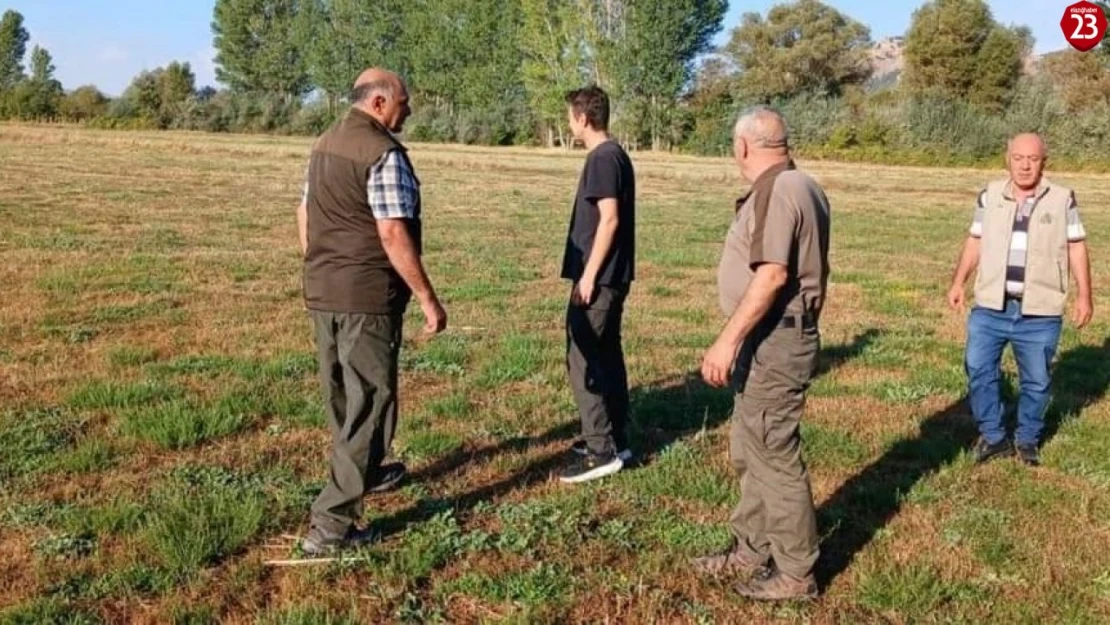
x=357, y=354
x=776, y=517
x=595, y=365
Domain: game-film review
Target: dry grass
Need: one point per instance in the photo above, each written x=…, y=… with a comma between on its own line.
x=149, y=269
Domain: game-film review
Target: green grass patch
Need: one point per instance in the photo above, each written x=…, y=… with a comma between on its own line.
x=427, y=444
x=90, y=456
x=912, y=593
x=544, y=584
x=831, y=447
x=111, y=394
x=682, y=473
x=185, y=423
x=986, y=532
x=193, y=527
x=443, y=355
x=686, y=537
x=53, y=611
x=307, y=615
x=1082, y=448
x=32, y=440
x=520, y=357
x=131, y=356
x=452, y=407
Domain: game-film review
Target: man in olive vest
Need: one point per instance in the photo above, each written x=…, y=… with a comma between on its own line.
x=1027, y=241
x=360, y=231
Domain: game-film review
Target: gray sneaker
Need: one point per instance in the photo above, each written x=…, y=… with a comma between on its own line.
x=319, y=543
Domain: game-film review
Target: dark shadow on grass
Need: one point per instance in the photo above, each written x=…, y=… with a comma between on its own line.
x=664, y=411
x=863, y=505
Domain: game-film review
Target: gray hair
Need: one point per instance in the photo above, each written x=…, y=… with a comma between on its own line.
x=1037, y=135
x=365, y=91
x=763, y=127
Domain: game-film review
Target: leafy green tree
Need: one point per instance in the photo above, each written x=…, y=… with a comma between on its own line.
x=37, y=97
x=340, y=38
x=802, y=47
x=83, y=104
x=13, y=46
x=955, y=49
x=257, y=47
x=656, y=54
x=554, y=61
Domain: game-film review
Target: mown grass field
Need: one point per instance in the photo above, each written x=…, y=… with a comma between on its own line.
x=161, y=430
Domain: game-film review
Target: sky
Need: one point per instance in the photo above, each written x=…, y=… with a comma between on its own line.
x=107, y=43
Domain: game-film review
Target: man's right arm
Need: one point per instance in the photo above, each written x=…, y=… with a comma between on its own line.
x=394, y=199
x=969, y=256
x=969, y=260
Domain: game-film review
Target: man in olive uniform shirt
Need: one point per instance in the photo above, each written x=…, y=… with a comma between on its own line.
x=772, y=280
x=361, y=234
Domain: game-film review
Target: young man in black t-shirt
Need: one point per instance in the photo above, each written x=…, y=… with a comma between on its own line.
x=599, y=261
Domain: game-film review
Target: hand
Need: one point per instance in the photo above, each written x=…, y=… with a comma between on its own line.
x=716, y=365
x=956, y=297
x=1084, y=310
x=583, y=293
x=435, y=318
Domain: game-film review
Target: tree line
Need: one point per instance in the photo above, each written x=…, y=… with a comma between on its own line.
x=494, y=72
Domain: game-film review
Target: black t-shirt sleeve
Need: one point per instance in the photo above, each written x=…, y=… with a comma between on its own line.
x=603, y=177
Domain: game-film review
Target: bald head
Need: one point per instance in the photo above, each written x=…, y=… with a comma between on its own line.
x=763, y=129
x=1027, y=143
x=376, y=81
x=382, y=95
x=1025, y=158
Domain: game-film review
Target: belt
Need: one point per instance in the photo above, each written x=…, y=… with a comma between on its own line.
x=805, y=320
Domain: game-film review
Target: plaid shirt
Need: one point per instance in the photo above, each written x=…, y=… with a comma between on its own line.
x=392, y=189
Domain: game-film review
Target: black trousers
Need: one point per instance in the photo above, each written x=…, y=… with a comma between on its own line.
x=595, y=364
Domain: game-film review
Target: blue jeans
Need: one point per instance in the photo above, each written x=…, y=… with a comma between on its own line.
x=1034, y=341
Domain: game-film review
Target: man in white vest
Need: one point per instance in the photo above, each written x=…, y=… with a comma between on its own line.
x=1028, y=242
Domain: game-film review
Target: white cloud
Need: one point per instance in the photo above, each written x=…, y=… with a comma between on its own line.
x=112, y=53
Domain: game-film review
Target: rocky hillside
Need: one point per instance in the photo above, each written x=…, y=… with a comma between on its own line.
x=887, y=59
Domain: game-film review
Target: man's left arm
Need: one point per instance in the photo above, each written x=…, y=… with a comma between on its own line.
x=774, y=229
x=302, y=218
x=607, y=224
x=1081, y=268
x=765, y=286
x=1080, y=265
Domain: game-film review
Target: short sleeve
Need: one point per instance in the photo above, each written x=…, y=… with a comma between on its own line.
x=603, y=176
x=976, y=229
x=774, y=229
x=1076, y=231
x=392, y=190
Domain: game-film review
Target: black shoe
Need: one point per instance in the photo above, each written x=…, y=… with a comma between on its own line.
x=389, y=476
x=320, y=543
x=1029, y=455
x=985, y=451
x=590, y=467
x=579, y=447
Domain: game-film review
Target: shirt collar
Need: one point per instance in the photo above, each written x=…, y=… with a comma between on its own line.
x=764, y=179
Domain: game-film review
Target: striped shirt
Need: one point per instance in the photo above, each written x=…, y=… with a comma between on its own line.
x=392, y=189
x=1019, y=239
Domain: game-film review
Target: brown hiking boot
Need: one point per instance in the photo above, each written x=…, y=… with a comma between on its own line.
x=730, y=562
x=770, y=584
